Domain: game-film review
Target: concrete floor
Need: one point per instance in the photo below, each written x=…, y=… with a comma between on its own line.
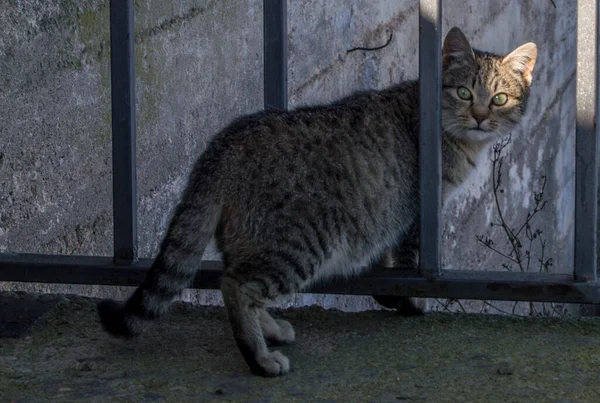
x=338, y=357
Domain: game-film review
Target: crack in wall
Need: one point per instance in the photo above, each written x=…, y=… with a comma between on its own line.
x=172, y=22
x=370, y=36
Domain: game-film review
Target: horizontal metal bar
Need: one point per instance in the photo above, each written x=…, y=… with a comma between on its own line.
x=493, y=285
x=430, y=136
x=275, y=53
x=85, y=270
x=123, y=131
x=483, y=285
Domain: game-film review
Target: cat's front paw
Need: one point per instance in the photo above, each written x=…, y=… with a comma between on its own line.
x=286, y=332
x=272, y=364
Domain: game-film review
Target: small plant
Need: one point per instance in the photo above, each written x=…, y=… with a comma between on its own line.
x=518, y=250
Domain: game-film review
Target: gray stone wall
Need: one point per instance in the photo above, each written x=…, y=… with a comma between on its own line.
x=199, y=64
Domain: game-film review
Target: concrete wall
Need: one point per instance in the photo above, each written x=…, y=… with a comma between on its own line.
x=199, y=64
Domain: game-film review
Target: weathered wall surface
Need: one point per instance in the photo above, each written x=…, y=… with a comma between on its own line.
x=199, y=64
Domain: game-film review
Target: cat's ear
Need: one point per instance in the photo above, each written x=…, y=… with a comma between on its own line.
x=457, y=49
x=523, y=59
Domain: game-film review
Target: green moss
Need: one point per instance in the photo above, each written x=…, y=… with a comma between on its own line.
x=94, y=31
x=149, y=67
x=377, y=356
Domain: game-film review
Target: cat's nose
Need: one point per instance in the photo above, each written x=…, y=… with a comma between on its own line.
x=479, y=118
x=480, y=114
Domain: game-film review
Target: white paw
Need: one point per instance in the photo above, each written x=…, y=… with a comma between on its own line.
x=286, y=332
x=273, y=363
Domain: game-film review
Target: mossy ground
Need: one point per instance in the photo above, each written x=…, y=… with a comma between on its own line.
x=371, y=356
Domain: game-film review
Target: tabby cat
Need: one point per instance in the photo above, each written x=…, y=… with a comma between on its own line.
x=296, y=197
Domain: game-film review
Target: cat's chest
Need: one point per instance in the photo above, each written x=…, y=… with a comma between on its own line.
x=461, y=174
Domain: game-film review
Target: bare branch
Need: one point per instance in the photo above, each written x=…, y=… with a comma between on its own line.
x=496, y=308
x=489, y=245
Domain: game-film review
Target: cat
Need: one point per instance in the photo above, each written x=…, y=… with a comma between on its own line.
x=293, y=198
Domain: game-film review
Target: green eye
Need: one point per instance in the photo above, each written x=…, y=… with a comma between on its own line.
x=500, y=99
x=464, y=93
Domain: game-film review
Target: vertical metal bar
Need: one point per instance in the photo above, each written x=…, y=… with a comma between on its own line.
x=430, y=135
x=275, y=53
x=586, y=144
x=123, y=131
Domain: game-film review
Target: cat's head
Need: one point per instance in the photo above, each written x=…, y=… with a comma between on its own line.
x=483, y=95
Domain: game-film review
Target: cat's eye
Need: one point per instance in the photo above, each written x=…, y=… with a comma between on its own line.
x=464, y=93
x=500, y=99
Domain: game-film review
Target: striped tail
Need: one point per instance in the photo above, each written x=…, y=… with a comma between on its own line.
x=191, y=229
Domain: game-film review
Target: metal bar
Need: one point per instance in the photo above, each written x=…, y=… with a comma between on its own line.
x=275, y=53
x=465, y=284
x=88, y=270
x=123, y=131
x=430, y=136
x=586, y=148
x=469, y=284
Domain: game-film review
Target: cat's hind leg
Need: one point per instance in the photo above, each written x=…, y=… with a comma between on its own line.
x=404, y=256
x=245, y=302
x=276, y=331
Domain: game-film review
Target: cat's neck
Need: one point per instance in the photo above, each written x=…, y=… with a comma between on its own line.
x=472, y=148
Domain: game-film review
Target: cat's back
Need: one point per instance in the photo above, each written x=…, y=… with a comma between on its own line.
x=359, y=123
x=340, y=153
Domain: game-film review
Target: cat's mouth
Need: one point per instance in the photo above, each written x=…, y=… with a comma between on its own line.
x=478, y=129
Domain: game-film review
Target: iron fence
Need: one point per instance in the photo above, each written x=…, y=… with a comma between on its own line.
x=429, y=281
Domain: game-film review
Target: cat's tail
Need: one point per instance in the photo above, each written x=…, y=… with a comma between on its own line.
x=190, y=230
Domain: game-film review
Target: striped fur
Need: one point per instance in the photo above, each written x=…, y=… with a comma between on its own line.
x=297, y=197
